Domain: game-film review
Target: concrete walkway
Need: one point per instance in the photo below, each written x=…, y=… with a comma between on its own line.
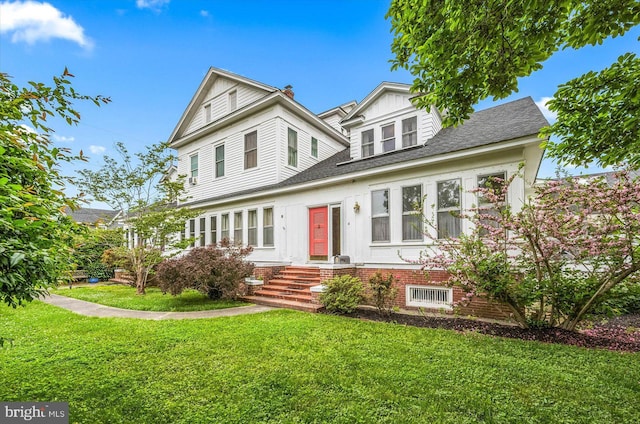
x=96, y=310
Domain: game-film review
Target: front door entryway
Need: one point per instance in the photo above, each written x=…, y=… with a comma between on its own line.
x=318, y=233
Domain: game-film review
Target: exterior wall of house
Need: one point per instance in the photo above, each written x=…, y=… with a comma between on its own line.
x=291, y=222
x=392, y=108
x=217, y=98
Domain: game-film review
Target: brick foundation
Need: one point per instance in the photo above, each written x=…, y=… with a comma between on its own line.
x=478, y=307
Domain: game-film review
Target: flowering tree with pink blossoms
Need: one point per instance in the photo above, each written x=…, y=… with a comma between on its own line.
x=556, y=259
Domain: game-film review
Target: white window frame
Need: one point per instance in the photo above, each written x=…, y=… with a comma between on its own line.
x=412, y=213
x=314, y=147
x=252, y=231
x=217, y=161
x=213, y=229
x=410, y=134
x=367, y=149
x=448, y=209
x=253, y=151
x=267, y=228
x=388, y=140
x=292, y=148
x=202, y=229
x=386, y=215
x=238, y=227
x=225, y=232
x=193, y=173
x=425, y=303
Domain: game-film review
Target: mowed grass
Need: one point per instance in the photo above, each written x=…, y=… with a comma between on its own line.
x=121, y=296
x=293, y=367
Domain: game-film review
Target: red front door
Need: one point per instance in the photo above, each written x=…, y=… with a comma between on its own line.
x=318, y=234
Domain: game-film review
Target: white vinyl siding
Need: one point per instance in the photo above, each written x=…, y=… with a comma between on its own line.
x=233, y=100
x=449, y=208
x=207, y=113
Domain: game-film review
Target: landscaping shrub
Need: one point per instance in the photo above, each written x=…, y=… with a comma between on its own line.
x=217, y=271
x=342, y=294
x=91, y=247
x=383, y=292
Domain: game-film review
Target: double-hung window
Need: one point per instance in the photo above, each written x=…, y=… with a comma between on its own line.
x=237, y=228
x=220, y=161
x=411, y=216
x=380, y=215
x=494, y=183
x=202, y=230
x=192, y=231
x=252, y=227
x=367, y=143
x=267, y=227
x=251, y=150
x=314, y=147
x=224, y=226
x=194, y=166
x=409, y=132
x=292, y=151
x=449, y=208
x=388, y=138
x=214, y=229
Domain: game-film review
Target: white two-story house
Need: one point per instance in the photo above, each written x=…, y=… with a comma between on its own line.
x=335, y=192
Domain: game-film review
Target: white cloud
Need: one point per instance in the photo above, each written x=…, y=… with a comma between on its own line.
x=542, y=104
x=154, y=5
x=63, y=139
x=31, y=21
x=96, y=150
x=204, y=13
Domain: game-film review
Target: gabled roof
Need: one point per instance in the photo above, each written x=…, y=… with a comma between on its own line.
x=338, y=109
x=513, y=121
x=371, y=97
x=509, y=121
x=207, y=81
x=92, y=216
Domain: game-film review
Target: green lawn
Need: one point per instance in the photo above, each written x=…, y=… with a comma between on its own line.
x=125, y=297
x=293, y=367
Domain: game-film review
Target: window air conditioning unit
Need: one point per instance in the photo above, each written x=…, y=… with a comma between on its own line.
x=193, y=180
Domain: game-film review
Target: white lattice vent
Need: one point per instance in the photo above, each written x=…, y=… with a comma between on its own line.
x=430, y=297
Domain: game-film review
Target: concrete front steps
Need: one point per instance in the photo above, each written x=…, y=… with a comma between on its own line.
x=290, y=289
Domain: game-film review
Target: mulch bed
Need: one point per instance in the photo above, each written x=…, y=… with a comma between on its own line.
x=613, y=334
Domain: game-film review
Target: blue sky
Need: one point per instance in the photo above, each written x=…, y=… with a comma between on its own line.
x=150, y=56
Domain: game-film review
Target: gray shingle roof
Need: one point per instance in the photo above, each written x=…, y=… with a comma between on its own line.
x=91, y=216
x=509, y=121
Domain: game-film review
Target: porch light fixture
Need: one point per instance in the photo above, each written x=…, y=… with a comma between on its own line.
x=356, y=207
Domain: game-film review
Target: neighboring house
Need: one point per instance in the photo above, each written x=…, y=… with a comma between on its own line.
x=96, y=218
x=313, y=190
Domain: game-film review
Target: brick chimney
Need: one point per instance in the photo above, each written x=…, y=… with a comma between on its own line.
x=288, y=91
